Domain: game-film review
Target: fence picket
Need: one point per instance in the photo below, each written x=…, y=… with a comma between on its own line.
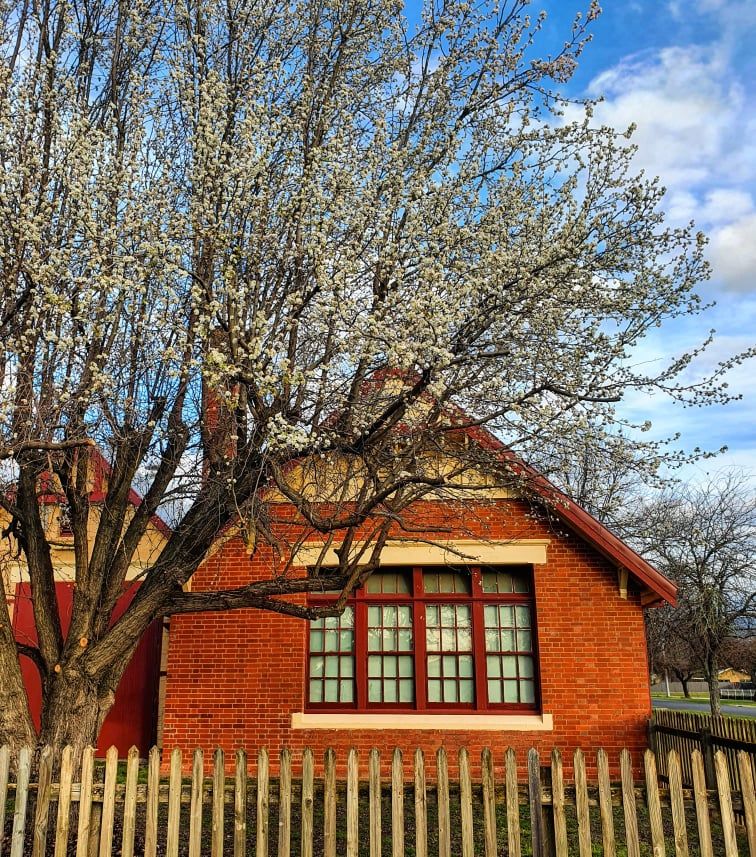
x=219, y=795
x=749, y=799
x=513, y=804
x=329, y=805
x=174, y=804
x=108, y=803
x=725, y=804
x=628, y=805
x=22, y=794
x=465, y=803
x=489, y=802
x=263, y=803
x=702, y=804
x=129, y=803
x=85, y=802
x=581, y=804
x=63, y=819
x=353, y=797
x=678, y=805
x=557, y=804
x=442, y=786
x=4, y=773
x=421, y=807
x=240, y=803
x=42, y=812
x=153, y=795
x=195, y=804
x=374, y=778
x=308, y=790
x=284, y=804
x=534, y=801
x=654, y=806
x=397, y=805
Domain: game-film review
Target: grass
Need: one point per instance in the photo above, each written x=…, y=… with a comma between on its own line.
x=704, y=697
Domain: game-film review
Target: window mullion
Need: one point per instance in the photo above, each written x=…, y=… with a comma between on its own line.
x=360, y=654
x=479, y=656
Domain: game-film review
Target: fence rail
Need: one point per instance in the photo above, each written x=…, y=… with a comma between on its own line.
x=372, y=806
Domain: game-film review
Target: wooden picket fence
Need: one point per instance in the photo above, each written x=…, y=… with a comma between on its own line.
x=686, y=731
x=533, y=809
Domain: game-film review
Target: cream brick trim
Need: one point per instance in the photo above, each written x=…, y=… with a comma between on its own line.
x=516, y=551
x=436, y=722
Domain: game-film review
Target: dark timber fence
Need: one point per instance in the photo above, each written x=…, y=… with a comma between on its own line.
x=358, y=807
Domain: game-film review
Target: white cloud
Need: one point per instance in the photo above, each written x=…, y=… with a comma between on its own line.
x=733, y=253
x=696, y=130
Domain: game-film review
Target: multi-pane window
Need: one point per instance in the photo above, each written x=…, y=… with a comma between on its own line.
x=429, y=639
x=332, y=659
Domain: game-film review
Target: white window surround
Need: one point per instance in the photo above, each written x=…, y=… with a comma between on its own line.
x=472, y=722
x=448, y=552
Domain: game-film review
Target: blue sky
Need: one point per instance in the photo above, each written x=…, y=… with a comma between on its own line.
x=685, y=72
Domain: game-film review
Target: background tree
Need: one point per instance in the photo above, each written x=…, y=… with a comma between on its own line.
x=285, y=203
x=704, y=538
x=670, y=653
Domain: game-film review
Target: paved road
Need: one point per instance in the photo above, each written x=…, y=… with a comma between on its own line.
x=691, y=705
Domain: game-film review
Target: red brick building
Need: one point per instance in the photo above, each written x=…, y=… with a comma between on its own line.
x=534, y=638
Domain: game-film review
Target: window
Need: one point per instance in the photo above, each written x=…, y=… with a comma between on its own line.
x=435, y=639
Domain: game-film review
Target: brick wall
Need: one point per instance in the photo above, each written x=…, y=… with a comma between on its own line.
x=234, y=679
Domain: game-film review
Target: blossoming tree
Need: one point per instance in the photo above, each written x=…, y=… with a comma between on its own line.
x=285, y=203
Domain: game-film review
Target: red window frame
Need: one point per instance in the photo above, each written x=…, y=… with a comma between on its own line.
x=477, y=599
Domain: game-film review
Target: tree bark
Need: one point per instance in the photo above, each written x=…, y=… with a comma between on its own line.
x=75, y=706
x=16, y=726
x=713, y=682
x=684, y=683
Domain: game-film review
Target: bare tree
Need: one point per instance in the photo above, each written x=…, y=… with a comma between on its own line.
x=704, y=538
x=355, y=233
x=669, y=651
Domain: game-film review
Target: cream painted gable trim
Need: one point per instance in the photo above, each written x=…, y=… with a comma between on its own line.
x=436, y=722
x=518, y=551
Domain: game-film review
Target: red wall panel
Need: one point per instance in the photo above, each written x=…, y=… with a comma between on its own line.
x=131, y=720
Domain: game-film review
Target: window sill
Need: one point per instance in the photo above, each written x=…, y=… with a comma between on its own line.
x=431, y=722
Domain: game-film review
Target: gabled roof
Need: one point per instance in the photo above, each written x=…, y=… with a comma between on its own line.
x=658, y=588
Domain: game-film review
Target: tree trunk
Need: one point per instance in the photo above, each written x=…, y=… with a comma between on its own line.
x=16, y=727
x=684, y=683
x=713, y=682
x=73, y=711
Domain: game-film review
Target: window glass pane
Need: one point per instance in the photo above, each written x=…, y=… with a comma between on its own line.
x=389, y=639
x=523, y=616
x=526, y=667
x=331, y=666
x=509, y=666
x=406, y=690
x=527, y=691
x=510, y=691
x=434, y=665
x=465, y=665
x=347, y=667
x=404, y=616
x=374, y=690
x=316, y=666
x=394, y=582
x=374, y=616
x=446, y=581
x=316, y=641
x=434, y=691
x=433, y=639
x=450, y=665
x=346, y=638
x=331, y=641
x=331, y=690
x=374, y=639
x=346, y=689
x=506, y=640
x=389, y=691
x=493, y=666
x=506, y=616
x=450, y=691
x=405, y=639
x=464, y=639
x=316, y=691
x=374, y=665
x=406, y=666
x=524, y=641
x=492, y=640
x=389, y=666
x=494, y=691
x=466, y=691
